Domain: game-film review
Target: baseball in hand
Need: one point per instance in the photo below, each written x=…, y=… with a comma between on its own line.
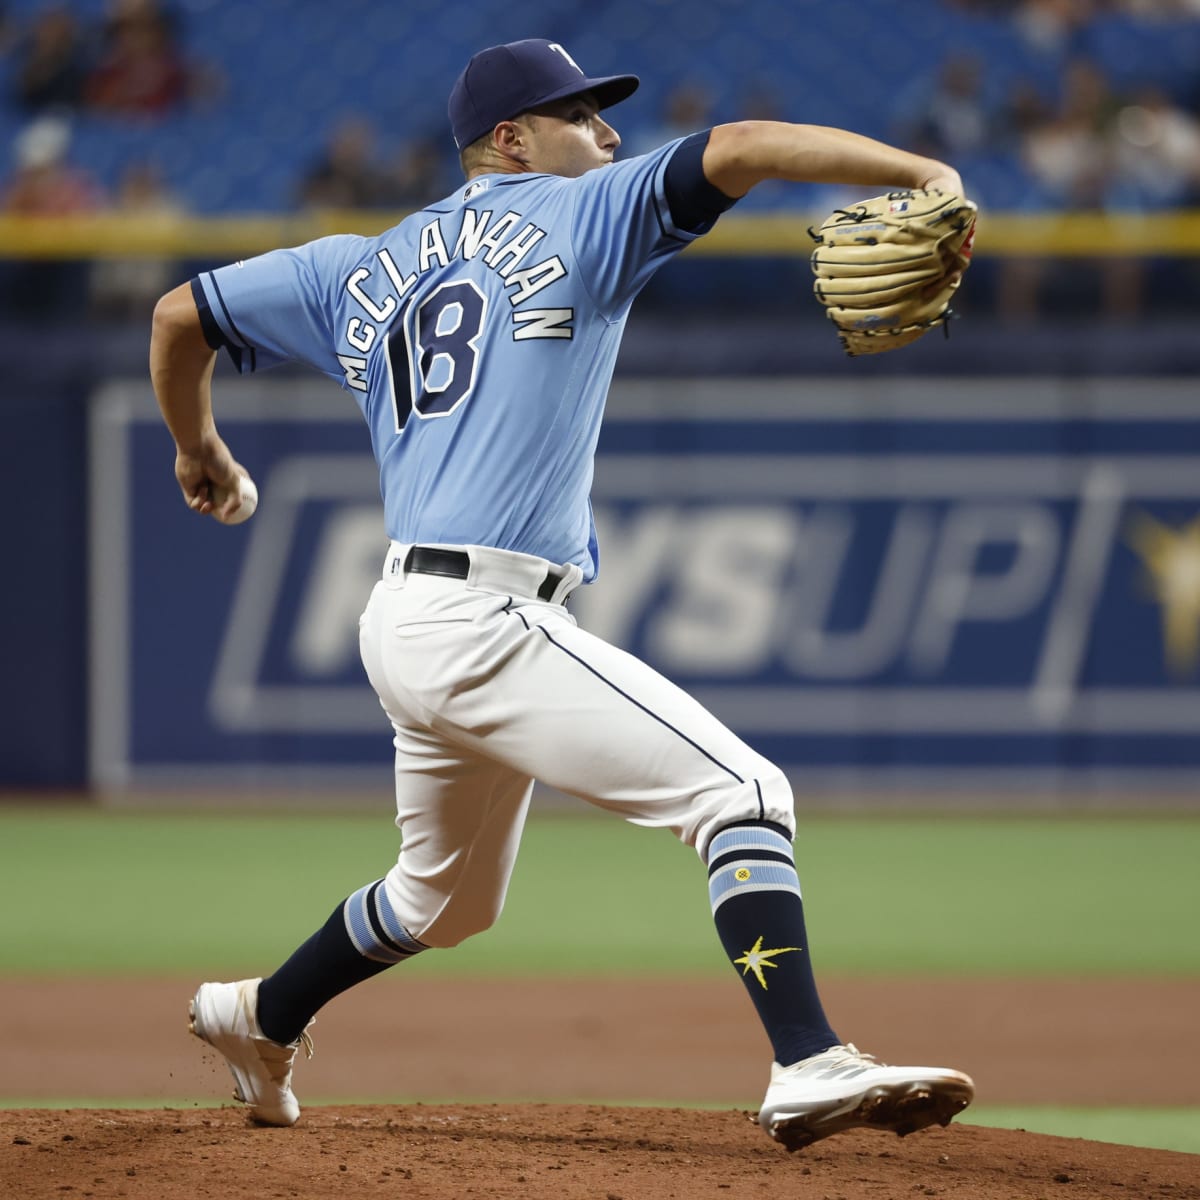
x=249, y=495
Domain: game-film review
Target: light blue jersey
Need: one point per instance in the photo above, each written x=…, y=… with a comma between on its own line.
x=478, y=337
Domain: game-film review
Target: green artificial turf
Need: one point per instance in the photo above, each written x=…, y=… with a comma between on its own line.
x=118, y=892
x=1159, y=1128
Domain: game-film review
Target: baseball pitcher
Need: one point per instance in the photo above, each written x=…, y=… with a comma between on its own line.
x=478, y=338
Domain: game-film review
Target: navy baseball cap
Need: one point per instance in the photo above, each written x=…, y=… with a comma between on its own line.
x=502, y=82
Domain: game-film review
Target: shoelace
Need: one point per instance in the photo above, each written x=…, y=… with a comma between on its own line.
x=852, y=1054
x=278, y=1059
x=853, y=1049
x=837, y=1060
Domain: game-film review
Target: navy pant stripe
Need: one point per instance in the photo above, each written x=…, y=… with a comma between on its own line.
x=649, y=712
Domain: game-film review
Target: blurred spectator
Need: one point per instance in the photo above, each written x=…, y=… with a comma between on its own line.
x=43, y=183
x=141, y=70
x=416, y=176
x=1022, y=111
x=1053, y=26
x=346, y=175
x=1156, y=153
x=1153, y=9
x=124, y=288
x=118, y=12
x=1068, y=155
x=51, y=65
x=1074, y=162
x=688, y=108
x=950, y=118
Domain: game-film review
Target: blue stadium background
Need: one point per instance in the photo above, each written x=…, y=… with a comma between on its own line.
x=291, y=72
x=294, y=68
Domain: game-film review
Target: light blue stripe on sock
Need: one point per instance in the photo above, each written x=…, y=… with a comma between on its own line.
x=358, y=926
x=758, y=875
x=391, y=925
x=748, y=837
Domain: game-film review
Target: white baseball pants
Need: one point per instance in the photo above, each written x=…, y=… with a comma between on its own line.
x=488, y=688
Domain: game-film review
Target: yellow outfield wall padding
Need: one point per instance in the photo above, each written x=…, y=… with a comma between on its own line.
x=1005, y=235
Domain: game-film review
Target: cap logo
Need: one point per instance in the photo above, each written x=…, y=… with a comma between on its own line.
x=559, y=50
x=501, y=82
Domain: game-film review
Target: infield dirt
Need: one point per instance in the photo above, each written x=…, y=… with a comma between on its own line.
x=1042, y=1041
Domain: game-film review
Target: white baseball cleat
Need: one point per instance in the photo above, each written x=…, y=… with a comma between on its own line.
x=225, y=1016
x=842, y=1089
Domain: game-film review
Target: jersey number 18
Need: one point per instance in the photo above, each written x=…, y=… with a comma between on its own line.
x=433, y=352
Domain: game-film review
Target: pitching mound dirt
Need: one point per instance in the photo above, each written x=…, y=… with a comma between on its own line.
x=542, y=1151
x=1063, y=1042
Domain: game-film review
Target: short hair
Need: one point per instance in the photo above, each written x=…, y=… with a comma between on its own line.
x=473, y=154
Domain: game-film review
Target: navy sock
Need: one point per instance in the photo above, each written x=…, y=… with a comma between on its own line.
x=759, y=916
x=361, y=938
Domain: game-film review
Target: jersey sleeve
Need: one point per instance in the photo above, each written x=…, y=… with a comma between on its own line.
x=623, y=229
x=278, y=307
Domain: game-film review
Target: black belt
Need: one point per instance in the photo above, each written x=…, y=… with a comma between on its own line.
x=456, y=564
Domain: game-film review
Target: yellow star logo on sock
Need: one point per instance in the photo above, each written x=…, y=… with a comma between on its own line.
x=756, y=958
